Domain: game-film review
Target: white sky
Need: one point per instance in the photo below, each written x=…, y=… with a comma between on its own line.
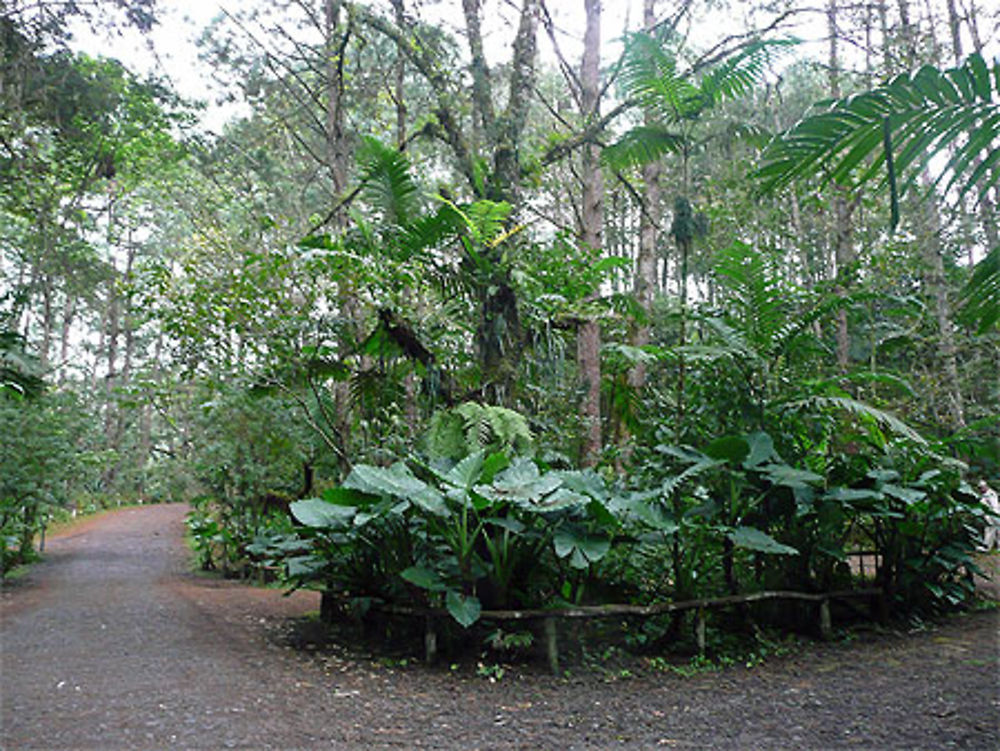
x=170, y=49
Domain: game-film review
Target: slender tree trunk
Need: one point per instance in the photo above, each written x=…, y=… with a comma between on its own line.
x=399, y=85
x=592, y=219
x=935, y=279
x=843, y=209
x=48, y=323
x=645, y=271
x=334, y=43
x=111, y=378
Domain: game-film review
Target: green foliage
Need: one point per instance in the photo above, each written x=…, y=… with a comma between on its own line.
x=901, y=126
x=470, y=427
x=676, y=99
x=483, y=532
x=42, y=467
x=20, y=375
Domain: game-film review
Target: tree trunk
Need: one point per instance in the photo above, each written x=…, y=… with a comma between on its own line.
x=591, y=225
x=69, y=313
x=935, y=279
x=645, y=271
x=843, y=210
x=48, y=323
x=334, y=42
x=111, y=378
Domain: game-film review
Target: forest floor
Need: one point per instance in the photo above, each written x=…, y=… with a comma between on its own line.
x=113, y=643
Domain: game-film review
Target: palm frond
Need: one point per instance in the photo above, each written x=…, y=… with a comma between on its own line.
x=981, y=295
x=760, y=296
x=641, y=145
x=388, y=182
x=901, y=125
x=860, y=410
x=649, y=74
x=738, y=75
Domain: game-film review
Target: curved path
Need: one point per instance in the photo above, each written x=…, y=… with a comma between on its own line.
x=112, y=644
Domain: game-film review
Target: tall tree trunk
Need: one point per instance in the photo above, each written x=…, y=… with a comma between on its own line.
x=334, y=47
x=591, y=221
x=935, y=279
x=336, y=142
x=69, y=313
x=947, y=350
x=48, y=322
x=843, y=209
x=645, y=267
x=111, y=378
x=399, y=84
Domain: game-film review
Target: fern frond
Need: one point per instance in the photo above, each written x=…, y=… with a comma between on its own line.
x=641, y=145
x=861, y=410
x=388, y=183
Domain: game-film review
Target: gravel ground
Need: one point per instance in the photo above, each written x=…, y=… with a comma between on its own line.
x=112, y=643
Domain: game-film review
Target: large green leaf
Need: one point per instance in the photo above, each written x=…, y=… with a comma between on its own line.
x=341, y=496
x=909, y=496
x=729, y=448
x=320, y=514
x=761, y=450
x=581, y=547
x=521, y=483
x=304, y=566
x=396, y=481
x=468, y=471
x=754, y=539
x=423, y=577
x=791, y=477
x=652, y=515
x=463, y=608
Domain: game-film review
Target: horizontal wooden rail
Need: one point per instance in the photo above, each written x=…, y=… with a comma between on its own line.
x=606, y=611
x=549, y=617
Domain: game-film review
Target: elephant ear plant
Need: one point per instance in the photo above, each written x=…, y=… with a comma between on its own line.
x=483, y=532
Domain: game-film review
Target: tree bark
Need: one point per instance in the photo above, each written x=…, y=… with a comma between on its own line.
x=591, y=225
x=935, y=279
x=645, y=271
x=843, y=210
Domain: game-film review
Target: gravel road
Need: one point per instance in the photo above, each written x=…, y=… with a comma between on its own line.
x=112, y=643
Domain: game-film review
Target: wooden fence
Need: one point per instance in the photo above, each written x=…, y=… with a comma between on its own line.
x=551, y=617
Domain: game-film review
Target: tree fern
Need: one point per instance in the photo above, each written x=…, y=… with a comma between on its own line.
x=675, y=98
x=457, y=432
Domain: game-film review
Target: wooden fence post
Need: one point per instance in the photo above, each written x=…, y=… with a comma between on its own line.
x=430, y=640
x=699, y=630
x=825, y=623
x=552, y=644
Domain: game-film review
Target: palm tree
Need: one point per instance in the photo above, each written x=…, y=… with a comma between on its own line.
x=675, y=102
x=892, y=133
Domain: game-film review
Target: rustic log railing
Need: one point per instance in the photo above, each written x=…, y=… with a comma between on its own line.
x=550, y=617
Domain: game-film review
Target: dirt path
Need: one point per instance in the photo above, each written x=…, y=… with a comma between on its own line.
x=111, y=644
